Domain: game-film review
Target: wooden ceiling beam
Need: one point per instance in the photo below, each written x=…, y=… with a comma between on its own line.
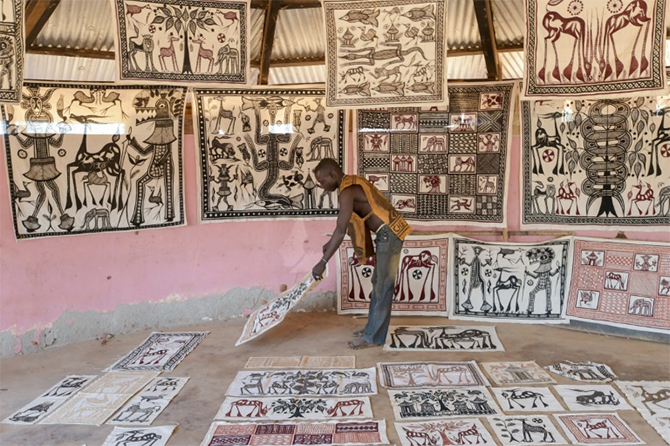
x=71, y=52
x=288, y=4
x=269, y=27
x=484, y=14
x=37, y=15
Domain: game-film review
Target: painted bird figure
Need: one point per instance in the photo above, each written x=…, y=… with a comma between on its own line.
x=369, y=35
x=154, y=198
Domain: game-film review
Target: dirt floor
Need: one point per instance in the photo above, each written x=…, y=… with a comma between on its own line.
x=215, y=362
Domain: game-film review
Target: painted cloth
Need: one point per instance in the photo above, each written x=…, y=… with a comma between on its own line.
x=527, y=399
x=535, y=430
x=385, y=52
x=182, y=41
x=443, y=163
x=360, y=235
x=594, y=48
x=524, y=282
x=46, y=403
x=11, y=51
x=590, y=397
x=154, y=436
x=308, y=362
x=583, y=371
x=323, y=433
x=288, y=408
x=652, y=400
x=161, y=351
x=420, y=286
x=516, y=373
x=625, y=284
x=145, y=407
x=444, y=338
x=425, y=404
x=566, y=183
x=601, y=429
x=409, y=375
x=273, y=313
x=257, y=150
x=444, y=432
x=77, y=173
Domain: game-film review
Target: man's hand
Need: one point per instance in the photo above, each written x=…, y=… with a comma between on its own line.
x=317, y=271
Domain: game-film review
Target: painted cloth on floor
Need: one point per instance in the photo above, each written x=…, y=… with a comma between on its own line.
x=527, y=399
x=536, y=430
x=154, y=436
x=161, y=351
x=409, y=375
x=426, y=404
x=145, y=407
x=444, y=338
x=591, y=397
x=313, y=362
x=444, y=432
x=517, y=372
x=583, y=371
x=652, y=401
x=601, y=429
x=289, y=408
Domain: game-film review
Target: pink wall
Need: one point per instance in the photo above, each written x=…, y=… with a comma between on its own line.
x=43, y=278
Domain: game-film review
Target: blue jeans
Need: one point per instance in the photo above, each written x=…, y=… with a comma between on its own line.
x=388, y=249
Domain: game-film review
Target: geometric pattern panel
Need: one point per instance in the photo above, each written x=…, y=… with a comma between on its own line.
x=443, y=163
x=182, y=41
x=595, y=163
x=258, y=149
x=621, y=283
x=420, y=283
x=11, y=51
x=594, y=48
x=509, y=281
x=385, y=52
x=111, y=160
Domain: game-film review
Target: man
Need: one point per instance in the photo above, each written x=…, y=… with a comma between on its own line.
x=364, y=209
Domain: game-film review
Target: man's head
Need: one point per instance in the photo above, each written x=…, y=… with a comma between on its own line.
x=328, y=174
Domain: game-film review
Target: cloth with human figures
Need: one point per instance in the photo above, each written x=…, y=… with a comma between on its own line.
x=94, y=158
x=258, y=149
x=182, y=41
x=420, y=287
x=622, y=283
x=594, y=48
x=524, y=282
x=11, y=50
x=385, y=52
x=595, y=163
x=443, y=163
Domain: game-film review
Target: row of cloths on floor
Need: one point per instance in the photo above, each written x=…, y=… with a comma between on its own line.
x=434, y=402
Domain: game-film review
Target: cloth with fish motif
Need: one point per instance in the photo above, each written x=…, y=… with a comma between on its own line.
x=393, y=52
x=258, y=149
x=598, y=48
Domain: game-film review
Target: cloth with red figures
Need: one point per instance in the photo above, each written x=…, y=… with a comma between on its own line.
x=595, y=163
x=621, y=283
x=182, y=41
x=421, y=286
x=594, y=48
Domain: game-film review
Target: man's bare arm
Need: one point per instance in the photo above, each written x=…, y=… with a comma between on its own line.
x=346, y=203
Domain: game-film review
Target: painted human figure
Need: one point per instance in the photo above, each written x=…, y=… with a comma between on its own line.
x=363, y=210
x=320, y=116
x=40, y=135
x=159, y=145
x=223, y=179
x=543, y=274
x=476, y=279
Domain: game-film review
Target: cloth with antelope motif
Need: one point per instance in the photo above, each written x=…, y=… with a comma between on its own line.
x=621, y=283
x=443, y=163
x=11, y=50
x=273, y=313
x=652, y=400
x=308, y=362
x=595, y=48
x=516, y=373
x=583, y=371
x=90, y=158
x=257, y=150
x=591, y=397
x=444, y=432
x=154, y=436
x=182, y=41
x=385, y=52
x=145, y=407
x=602, y=429
x=421, y=283
x=161, y=351
x=524, y=282
x=595, y=163
x=444, y=338
x=410, y=375
x=318, y=433
x=535, y=430
x=288, y=408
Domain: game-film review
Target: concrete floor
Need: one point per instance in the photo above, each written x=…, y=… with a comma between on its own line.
x=215, y=362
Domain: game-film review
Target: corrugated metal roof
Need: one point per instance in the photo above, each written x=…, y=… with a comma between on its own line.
x=76, y=69
x=297, y=75
x=299, y=33
x=462, y=29
x=256, y=20
x=512, y=64
x=466, y=67
x=509, y=22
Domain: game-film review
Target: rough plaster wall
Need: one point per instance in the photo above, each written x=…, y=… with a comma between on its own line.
x=73, y=327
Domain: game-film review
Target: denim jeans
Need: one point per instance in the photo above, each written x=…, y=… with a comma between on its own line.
x=388, y=247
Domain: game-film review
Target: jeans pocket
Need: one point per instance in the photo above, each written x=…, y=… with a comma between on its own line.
x=382, y=237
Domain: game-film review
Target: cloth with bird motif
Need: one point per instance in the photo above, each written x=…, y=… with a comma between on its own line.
x=587, y=429
x=594, y=48
x=111, y=160
x=161, y=351
x=444, y=432
x=154, y=436
x=145, y=407
x=290, y=408
x=535, y=430
x=621, y=283
x=523, y=282
x=595, y=163
x=441, y=163
x=421, y=283
x=652, y=400
x=385, y=52
x=317, y=433
x=257, y=150
x=273, y=313
x=11, y=50
x=182, y=41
